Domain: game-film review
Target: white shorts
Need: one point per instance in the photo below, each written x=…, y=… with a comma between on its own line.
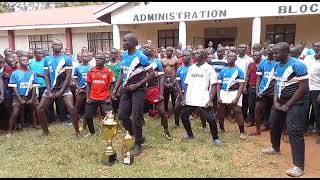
x=228, y=96
x=67, y=92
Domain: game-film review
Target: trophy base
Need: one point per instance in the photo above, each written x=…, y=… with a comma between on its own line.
x=128, y=160
x=109, y=160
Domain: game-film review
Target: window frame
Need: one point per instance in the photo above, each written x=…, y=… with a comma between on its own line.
x=97, y=39
x=41, y=39
x=286, y=32
x=174, y=38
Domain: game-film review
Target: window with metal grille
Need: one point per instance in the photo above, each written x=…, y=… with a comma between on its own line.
x=40, y=41
x=99, y=41
x=168, y=38
x=280, y=33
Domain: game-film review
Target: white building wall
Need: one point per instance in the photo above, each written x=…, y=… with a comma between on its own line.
x=79, y=40
x=21, y=42
x=3, y=43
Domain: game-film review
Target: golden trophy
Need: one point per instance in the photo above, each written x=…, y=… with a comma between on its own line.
x=110, y=129
x=128, y=144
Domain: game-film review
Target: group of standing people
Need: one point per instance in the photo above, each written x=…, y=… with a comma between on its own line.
x=272, y=83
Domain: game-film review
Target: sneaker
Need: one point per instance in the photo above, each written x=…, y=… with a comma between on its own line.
x=295, y=172
x=270, y=151
x=8, y=135
x=137, y=150
x=205, y=130
x=68, y=123
x=175, y=126
x=89, y=134
x=243, y=136
x=168, y=137
x=217, y=142
x=318, y=140
x=186, y=137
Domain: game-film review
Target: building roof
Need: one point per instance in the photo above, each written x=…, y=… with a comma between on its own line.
x=105, y=13
x=53, y=16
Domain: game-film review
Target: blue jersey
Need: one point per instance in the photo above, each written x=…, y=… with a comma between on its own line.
x=134, y=67
x=287, y=78
x=24, y=81
x=266, y=71
x=229, y=78
x=181, y=75
x=219, y=64
x=37, y=67
x=311, y=51
x=57, y=67
x=81, y=73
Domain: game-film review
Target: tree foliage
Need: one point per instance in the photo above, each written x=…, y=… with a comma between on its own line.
x=25, y=6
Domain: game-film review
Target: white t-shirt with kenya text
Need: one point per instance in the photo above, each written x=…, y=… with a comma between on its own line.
x=199, y=79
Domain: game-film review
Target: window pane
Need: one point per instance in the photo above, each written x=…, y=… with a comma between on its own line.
x=98, y=45
x=269, y=38
x=90, y=36
x=169, y=42
x=44, y=38
x=279, y=38
x=176, y=33
x=162, y=34
x=37, y=38
x=49, y=37
x=280, y=28
x=110, y=35
x=169, y=33
x=176, y=42
x=105, y=35
x=98, y=35
x=161, y=42
x=291, y=28
x=31, y=38
x=270, y=29
x=290, y=38
x=38, y=45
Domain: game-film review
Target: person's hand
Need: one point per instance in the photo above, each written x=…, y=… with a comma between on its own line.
x=58, y=94
x=81, y=91
x=258, y=94
x=285, y=108
x=235, y=102
x=209, y=104
x=88, y=101
x=277, y=106
x=131, y=87
x=108, y=101
x=160, y=98
x=245, y=90
x=49, y=94
x=22, y=101
x=30, y=101
x=183, y=102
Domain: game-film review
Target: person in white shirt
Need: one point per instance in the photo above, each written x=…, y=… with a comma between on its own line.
x=313, y=65
x=199, y=78
x=243, y=62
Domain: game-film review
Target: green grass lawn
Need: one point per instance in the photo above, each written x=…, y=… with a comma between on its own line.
x=27, y=154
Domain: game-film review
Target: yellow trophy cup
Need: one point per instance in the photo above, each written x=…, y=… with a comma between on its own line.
x=110, y=129
x=128, y=144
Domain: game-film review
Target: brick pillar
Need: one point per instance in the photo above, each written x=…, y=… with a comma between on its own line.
x=69, y=39
x=11, y=39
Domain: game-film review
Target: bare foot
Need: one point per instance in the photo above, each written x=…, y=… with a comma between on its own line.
x=79, y=136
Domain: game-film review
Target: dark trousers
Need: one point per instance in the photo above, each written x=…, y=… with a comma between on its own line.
x=177, y=110
x=209, y=116
x=245, y=105
x=61, y=109
x=316, y=109
x=5, y=113
x=252, y=103
x=115, y=105
x=167, y=92
x=91, y=109
x=131, y=103
x=295, y=129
